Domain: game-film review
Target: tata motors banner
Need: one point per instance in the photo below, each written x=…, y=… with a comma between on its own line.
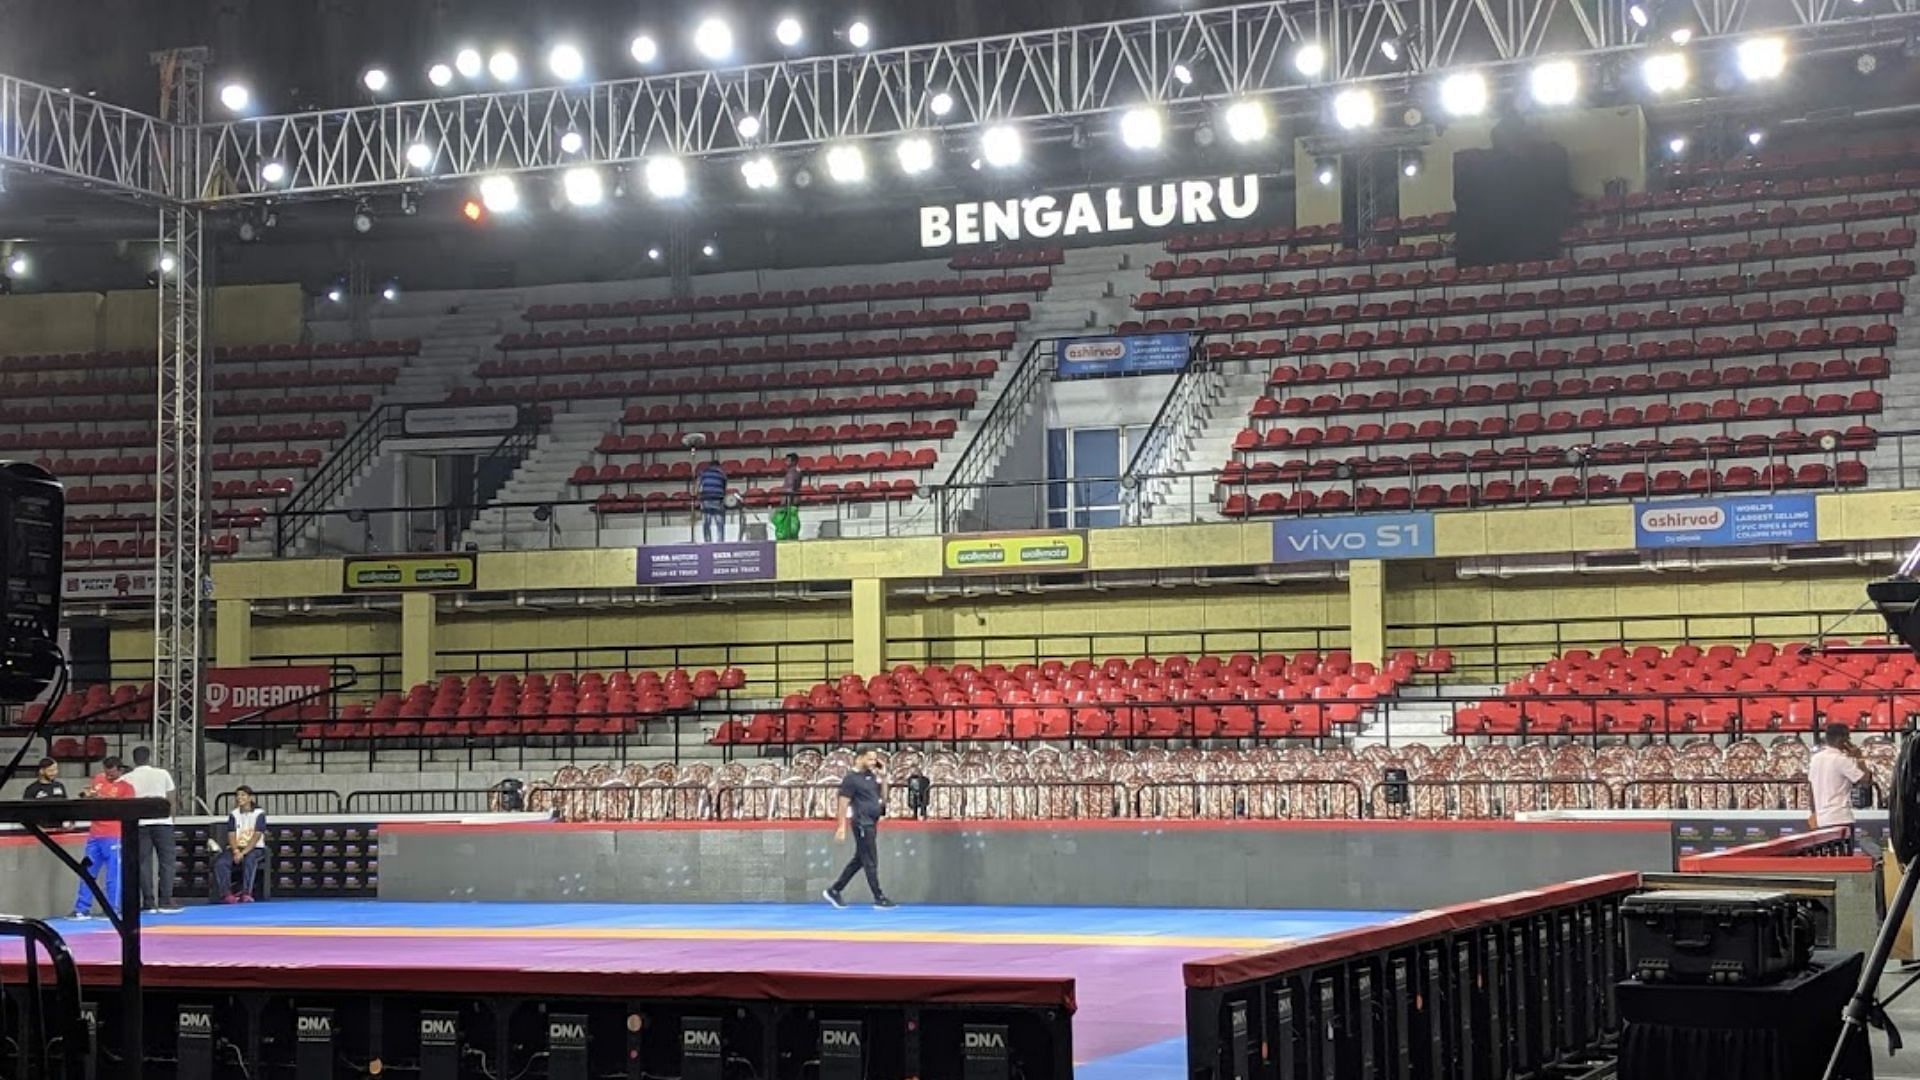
x=1179, y=203
x=1766, y=519
x=237, y=693
x=406, y=573
x=1139, y=354
x=1338, y=539
x=1012, y=553
x=707, y=564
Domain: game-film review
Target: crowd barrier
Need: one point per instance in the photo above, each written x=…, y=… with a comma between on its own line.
x=1500, y=987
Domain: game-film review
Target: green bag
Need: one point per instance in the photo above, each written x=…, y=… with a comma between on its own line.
x=786, y=523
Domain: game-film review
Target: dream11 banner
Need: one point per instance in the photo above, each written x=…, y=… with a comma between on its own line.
x=1096, y=212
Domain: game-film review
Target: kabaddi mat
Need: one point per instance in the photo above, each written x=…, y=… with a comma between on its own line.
x=1125, y=962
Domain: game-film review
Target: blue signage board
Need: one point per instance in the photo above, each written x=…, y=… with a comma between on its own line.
x=1136, y=354
x=1339, y=539
x=1761, y=519
x=705, y=564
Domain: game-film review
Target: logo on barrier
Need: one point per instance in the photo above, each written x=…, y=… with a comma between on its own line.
x=315, y=1025
x=986, y=1040
x=438, y=1030
x=567, y=1033
x=1369, y=536
x=407, y=573
x=238, y=693
x=1097, y=349
x=700, y=1039
x=999, y=553
x=840, y=1038
x=1777, y=519
x=196, y=1021
x=1135, y=354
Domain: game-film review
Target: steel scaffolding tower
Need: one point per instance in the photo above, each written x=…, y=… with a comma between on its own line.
x=180, y=559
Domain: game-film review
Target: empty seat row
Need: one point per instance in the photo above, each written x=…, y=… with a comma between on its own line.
x=875, y=461
x=676, y=442
x=816, y=324
x=792, y=298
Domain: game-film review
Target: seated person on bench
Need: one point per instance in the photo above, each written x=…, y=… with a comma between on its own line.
x=246, y=846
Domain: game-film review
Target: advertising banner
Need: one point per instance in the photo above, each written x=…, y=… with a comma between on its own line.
x=431, y=420
x=1763, y=519
x=404, y=573
x=706, y=564
x=236, y=693
x=85, y=585
x=1340, y=539
x=1012, y=553
x=1138, y=354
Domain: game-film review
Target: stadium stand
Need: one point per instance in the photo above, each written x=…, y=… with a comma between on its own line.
x=1731, y=335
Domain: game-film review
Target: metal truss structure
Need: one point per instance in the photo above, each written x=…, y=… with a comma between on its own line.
x=179, y=606
x=1040, y=76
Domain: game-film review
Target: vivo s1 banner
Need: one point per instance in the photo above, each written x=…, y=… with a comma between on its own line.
x=1762, y=519
x=1340, y=539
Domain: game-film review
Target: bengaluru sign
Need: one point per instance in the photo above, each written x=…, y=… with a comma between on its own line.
x=1182, y=203
x=1012, y=553
x=406, y=573
x=237, y=693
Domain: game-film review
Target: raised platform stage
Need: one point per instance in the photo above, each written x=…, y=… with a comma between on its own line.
x=1117, y=971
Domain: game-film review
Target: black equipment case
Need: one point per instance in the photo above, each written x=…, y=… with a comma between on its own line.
x=1716, y=936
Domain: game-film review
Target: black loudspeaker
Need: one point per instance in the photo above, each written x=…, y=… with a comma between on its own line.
x=1395, y=781
x=33, y=509
x=1903, y=802
x=1511, y=202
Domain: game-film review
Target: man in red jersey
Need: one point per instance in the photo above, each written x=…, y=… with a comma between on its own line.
x=103, y=840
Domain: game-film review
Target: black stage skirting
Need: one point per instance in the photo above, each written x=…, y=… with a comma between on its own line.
x=1783, y=1031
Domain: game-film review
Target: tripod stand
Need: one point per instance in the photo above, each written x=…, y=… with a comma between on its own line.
x=1865, y=1007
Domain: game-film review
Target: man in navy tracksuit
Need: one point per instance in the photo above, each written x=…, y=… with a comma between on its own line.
x=711, y=487
x=861, y=804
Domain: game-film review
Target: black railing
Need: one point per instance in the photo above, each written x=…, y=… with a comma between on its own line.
x=1197, y=385
x=340, y=472
x=296, y=801
x=976, y=462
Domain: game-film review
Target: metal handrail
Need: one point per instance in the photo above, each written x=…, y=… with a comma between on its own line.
x=1005, y=413
x=1198, y=375
x=335, y=476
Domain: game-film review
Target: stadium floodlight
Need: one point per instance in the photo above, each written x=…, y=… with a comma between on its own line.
x=375, y=80
x=167, y=264
x=362, y=217
x=472, y=211
x=643, y=49
x=336, y=294
x=419, y=156
x=713, y=38
x=747, y=127
x=503, y=66
x=390, y=293
x=915, y=154
x=846, y=163
x=440, y=75
x=1001, y=146
x=468, y=63
x=499, y=194
x=1638, y=13
x=1141, y=128
x=941, y=103
x=1762, y=58
x=572, y=142
x=236, y=97
x=666, y=177
x=1756, y=137
x=1664, y=73
x=788, y=32
x=859, y=34
x=18, y=266
x=1555, y=82
x=1325, y=171
x=709, y=249
x=1390, y=48
x=1411, y=162
x=1310, y=59
x=1247, y=121
x=1680, y=35
x=1354, y=109
x=1677, y=145
x=653, y=254
x=1183, y=74
x=272, y=172
x=1464, y=93
x=583, y=186
x=566, y=63
x=760, y=173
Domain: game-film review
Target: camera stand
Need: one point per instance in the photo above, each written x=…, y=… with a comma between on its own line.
x=67, y=1024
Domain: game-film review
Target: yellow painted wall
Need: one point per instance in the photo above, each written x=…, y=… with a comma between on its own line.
x=1312, y=204
x=128, y=320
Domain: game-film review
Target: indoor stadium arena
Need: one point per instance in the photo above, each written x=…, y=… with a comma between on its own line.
x=1080, y=540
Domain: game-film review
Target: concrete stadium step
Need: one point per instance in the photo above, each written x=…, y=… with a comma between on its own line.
x=544, y=476
x=1177, y=500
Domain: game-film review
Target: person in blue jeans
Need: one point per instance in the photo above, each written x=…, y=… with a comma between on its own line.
x=103, y=841
x=711, y=488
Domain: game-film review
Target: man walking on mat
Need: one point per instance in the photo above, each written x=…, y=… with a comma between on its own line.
x=862, y=803
x=103, y=841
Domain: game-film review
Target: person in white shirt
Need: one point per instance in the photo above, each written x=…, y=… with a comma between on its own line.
x=159, y=856
x=246, y=849
x=1833, y=772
